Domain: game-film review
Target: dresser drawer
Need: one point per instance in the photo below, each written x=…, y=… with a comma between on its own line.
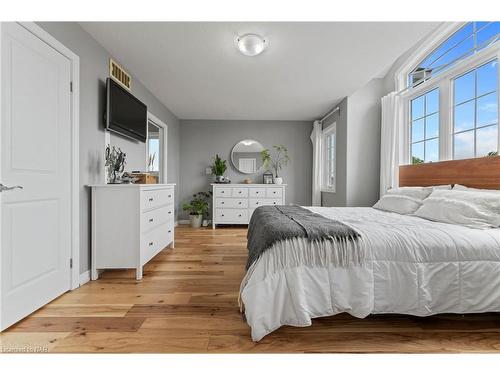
x=231, y=202
x=155, y=217
x=231, y=215
x=156, y=198
x=257, y=192
x=223, y=191
x=274, y=192
x=240, y=192
x=254, y=203
x=155, y=241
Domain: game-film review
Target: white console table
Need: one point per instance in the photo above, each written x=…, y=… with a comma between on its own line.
x=235, y=203
x=131, y=223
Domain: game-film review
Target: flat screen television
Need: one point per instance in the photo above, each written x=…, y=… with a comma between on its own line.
x=125, y=114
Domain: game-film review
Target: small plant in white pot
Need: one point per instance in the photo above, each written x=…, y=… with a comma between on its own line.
x=218, y=168
x=197, y=208
x=277, y=161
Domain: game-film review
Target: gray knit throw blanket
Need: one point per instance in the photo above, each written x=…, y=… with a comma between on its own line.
x=270, y=224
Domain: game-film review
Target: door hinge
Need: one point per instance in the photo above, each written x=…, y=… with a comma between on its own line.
x=71, y=86
x=71, y=263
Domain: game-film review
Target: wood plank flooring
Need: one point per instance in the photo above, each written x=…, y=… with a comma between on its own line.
x=188, y=302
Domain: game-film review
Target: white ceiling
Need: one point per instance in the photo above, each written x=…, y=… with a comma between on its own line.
x=195, y=69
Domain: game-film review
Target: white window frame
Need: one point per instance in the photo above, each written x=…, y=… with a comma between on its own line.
x=444, y=82
x=325, y=187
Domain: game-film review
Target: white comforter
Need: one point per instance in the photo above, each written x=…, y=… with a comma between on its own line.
x=413, y=266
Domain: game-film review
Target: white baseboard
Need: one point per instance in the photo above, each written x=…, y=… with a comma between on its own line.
x=84, y=277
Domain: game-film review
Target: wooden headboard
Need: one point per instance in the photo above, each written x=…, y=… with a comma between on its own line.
x=483, y=173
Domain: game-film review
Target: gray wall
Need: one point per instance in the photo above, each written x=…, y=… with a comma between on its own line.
x=363, y=144
x=202, y=139
x=93, y=72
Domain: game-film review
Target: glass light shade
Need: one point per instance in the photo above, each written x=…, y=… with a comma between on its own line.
x=251, y=44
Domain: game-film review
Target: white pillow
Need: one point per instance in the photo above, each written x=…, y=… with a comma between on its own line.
x=473, y=209
x=418, y=192
x=465, y=188
x=400, y=204
x=442, y=187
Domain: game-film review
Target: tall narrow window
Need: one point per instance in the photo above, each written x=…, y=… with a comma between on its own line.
x=329, y=170
x=424, y=128
x=475, y=108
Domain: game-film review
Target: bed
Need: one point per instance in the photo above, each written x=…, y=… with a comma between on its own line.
x=411, y=265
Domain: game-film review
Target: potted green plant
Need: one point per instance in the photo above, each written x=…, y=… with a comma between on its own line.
x=276, y=161
x=197, y=207
x=218, y=168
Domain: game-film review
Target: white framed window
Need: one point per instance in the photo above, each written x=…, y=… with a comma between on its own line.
x=452, y=112
x=329, y=150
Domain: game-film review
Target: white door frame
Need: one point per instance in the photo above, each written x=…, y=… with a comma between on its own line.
x=163, y=146
x=75, y=120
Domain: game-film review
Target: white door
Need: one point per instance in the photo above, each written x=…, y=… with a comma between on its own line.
x=35, y=153
x=247, y=165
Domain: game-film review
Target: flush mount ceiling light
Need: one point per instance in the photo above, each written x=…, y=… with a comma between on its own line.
x=251, y=44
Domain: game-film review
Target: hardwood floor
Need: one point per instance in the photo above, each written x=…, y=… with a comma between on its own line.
x=187, y=302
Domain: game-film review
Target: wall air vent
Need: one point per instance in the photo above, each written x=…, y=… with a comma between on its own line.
x=119, y=75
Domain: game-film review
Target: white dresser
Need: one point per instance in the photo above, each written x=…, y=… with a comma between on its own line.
x=131, y=223
x=235, y=203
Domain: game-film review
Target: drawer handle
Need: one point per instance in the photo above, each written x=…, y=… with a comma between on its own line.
x=239, y=202
x=169, y=212
x=222, y=215
x=221, y=202
x=274, y=202
x=239, y=215
x=150, y=199
x=169, y=231
x=170, y=195
x=274, y=192
x=256, y=192
x=239, y=192
x=222, y=191
x=256, y=202
x=151, y=243
x=151, y=220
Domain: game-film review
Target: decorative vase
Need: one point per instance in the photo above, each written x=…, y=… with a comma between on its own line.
x=278, y=180
x=204, y=223
x=219, y=178
x=195, y=220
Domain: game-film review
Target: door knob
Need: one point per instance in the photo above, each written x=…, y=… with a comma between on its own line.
x=3, y=187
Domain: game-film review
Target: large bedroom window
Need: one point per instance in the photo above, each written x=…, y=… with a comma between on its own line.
x=329, y=159
x=451, y=98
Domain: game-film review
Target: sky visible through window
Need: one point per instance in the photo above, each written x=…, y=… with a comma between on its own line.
x=425, y=127
x=475, y=117
x=474, y=36
x=475, y=112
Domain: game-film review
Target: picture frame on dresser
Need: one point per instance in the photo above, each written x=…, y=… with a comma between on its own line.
x=131, y=223
x=235, y=203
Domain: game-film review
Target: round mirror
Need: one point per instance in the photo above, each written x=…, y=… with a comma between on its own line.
x=246, y=156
